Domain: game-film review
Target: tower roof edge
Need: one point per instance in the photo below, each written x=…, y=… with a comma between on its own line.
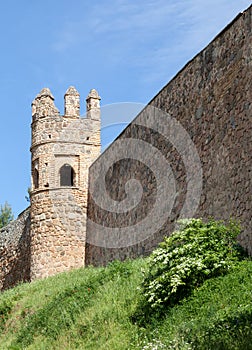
x=45, y=92
x=93, y=94
x=72, y=91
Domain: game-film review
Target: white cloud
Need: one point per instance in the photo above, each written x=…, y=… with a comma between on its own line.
x=153, y=35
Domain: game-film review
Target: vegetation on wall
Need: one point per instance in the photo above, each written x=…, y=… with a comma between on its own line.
x=6, y=214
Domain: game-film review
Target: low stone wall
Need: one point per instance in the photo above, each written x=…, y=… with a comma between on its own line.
x=15, y=251
x=211, y=99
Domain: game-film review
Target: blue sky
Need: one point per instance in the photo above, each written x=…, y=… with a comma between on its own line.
x=127, y=50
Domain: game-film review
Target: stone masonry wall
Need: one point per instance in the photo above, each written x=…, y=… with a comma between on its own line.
x=58, y=211
x=211, y=99
x=49, y=237
x=15, y=251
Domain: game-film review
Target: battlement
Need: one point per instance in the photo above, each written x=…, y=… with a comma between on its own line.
x=43, y=105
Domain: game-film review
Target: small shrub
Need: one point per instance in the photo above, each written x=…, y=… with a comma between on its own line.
x=118, y=268
x=196, y=252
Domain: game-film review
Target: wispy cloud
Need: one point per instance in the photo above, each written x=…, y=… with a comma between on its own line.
x=152, y=36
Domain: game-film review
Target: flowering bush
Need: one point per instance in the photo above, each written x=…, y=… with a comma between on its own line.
x=194, y=253
x=154, y=345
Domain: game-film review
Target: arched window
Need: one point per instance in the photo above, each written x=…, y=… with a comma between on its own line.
x=67, y=175
x=35, y=178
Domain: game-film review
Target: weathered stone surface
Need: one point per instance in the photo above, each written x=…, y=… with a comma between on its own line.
x=58, y=210
x=15, y=251
x=49, y=237
x=43, y=105
x=212, y=99
x=72, y=102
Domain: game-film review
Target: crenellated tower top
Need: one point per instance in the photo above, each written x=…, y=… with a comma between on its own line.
x=43, y=105
x=93, y=105
x=72, y=103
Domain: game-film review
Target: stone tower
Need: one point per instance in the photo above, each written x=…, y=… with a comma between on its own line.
x=62, y=149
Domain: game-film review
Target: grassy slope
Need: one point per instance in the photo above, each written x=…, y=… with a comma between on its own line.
x=91, y=308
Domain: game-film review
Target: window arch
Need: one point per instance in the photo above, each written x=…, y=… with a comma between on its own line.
x=67, y=175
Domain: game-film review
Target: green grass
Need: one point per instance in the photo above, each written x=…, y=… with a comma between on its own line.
x=93, y=308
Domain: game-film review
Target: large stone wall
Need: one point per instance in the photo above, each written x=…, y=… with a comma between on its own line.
x=211, y=99
x=15, y=251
